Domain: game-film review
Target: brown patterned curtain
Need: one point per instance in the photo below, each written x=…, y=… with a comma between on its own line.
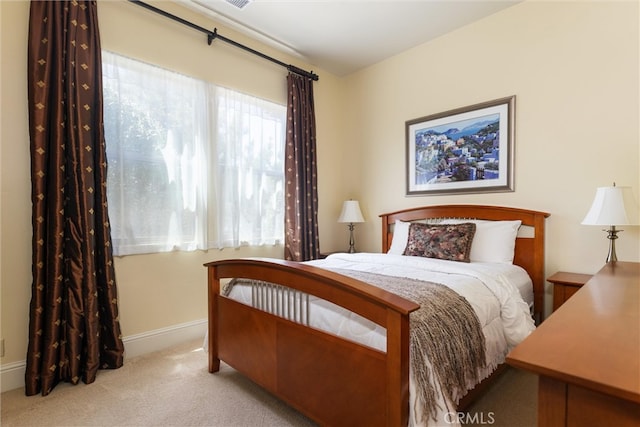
x=74, y=327
x=301, y=202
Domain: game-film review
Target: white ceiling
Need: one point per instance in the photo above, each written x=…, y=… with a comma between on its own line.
x=343, y=36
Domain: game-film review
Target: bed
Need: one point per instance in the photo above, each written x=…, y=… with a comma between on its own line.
x=355, y=378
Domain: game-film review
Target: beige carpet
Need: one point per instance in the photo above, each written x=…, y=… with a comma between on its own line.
x=174, y=388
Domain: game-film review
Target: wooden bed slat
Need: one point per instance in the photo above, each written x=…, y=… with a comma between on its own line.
x=359, y=399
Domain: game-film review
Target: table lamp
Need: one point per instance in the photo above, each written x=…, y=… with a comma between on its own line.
x=351, y=214
x=613, y=206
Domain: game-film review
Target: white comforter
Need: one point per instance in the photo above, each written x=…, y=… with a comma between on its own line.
x=493, y=290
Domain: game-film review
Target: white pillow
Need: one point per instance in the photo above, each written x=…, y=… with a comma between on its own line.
x=494, y=241
x=400, y=237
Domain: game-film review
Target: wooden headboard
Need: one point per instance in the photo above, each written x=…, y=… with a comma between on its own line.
x=529, y=251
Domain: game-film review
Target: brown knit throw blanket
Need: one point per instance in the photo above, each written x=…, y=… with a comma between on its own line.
x=446, y=339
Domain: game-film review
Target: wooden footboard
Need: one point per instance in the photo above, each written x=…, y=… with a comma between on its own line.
x=331, y=380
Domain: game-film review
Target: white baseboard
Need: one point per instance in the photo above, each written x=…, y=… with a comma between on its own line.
x=12, y=374
x=159, y=339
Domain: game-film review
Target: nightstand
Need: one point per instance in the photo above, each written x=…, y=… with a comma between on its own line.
x=566, y=284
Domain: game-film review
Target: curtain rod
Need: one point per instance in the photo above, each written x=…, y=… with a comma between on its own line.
x=212, y=35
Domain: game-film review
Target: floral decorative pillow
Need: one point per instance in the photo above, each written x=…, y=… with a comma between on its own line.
x=450, y=242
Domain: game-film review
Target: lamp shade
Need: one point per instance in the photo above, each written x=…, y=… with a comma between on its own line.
x=613, y=206
x=351, y=212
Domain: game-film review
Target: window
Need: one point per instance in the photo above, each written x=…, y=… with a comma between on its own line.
x=191, y=165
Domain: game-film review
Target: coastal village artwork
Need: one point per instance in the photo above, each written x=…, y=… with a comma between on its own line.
x=469, y=149
x=460, y=151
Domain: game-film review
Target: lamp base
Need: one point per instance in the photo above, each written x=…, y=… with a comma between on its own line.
x=352, y=242
x=612, y=235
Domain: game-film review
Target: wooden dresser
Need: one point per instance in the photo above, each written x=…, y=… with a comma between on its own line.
x=587, y=353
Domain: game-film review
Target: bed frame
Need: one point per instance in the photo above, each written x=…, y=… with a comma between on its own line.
x=332, y=380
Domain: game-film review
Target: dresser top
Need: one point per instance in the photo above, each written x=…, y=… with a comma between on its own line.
x=593, y=340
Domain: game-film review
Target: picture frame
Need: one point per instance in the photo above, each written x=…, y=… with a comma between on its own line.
x=465, y=150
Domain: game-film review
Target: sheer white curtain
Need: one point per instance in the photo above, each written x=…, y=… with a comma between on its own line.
x=250, y=159
x=191, y=165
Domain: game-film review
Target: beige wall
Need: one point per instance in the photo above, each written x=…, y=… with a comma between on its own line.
x=572, y=66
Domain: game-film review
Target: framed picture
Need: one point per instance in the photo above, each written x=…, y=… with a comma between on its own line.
x=466, y=150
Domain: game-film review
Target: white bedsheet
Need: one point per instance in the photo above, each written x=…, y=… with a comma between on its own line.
x=495, y=291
